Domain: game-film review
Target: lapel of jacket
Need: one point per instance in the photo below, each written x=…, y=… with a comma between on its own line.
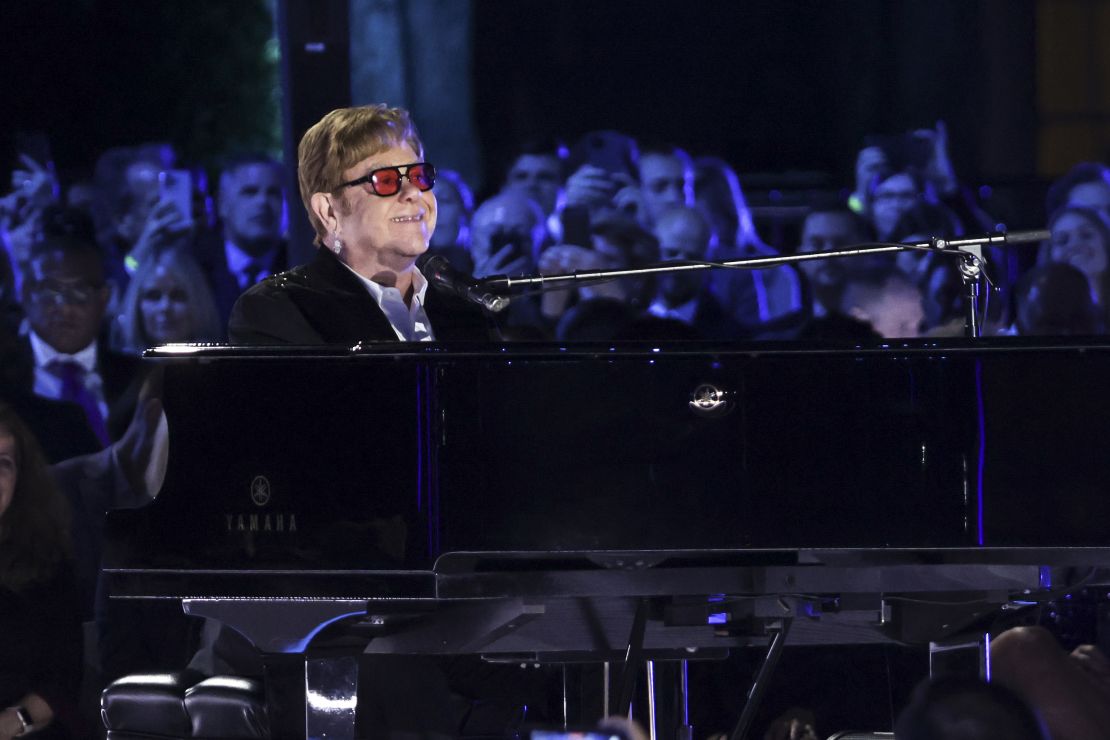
x=338, y=305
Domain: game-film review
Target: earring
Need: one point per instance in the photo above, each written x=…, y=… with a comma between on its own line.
x=337, y=244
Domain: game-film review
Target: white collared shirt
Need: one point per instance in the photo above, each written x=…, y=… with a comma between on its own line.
x=238, y=261
x=49, y=385
x=410, y=323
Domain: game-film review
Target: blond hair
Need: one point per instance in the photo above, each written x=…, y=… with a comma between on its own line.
x=343, y=138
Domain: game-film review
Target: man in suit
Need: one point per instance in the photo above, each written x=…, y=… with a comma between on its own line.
x=250, y=244
x=65, y=297
x=374, y=215
x=685, y=234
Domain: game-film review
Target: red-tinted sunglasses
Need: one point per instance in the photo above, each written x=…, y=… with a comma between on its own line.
x=387, y=180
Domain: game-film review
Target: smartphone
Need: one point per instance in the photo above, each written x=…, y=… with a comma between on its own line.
x=502, y=238
x=176, y=186
x=611, y=151
x=576, y=227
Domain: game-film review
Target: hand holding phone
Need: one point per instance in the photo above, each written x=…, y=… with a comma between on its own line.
x=176, y=187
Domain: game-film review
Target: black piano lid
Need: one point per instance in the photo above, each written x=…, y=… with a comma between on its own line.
x=546, y=447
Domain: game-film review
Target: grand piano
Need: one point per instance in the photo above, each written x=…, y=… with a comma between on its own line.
x=619, y=503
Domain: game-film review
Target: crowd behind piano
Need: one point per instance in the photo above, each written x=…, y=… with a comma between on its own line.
x=95, y=269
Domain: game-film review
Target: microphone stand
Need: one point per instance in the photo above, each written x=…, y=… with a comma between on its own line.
x=968, y=250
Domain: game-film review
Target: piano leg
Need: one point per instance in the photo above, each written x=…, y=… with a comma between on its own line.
x=966, y=655
x=759, y=686
x=632, y=659
x=682, y=702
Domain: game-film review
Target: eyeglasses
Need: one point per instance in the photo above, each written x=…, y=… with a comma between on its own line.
x=386, y=181
x=57, y=294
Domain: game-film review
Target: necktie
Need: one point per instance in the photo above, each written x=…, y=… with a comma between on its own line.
x=72, y=375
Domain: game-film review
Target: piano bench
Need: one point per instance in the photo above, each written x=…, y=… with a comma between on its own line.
x=185, y=704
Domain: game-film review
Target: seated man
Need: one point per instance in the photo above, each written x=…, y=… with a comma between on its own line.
x=374, y=213
x=65, y=297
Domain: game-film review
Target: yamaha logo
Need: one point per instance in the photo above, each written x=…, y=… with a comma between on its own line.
x=708, y=400
x=263, y=523
x=260, y=490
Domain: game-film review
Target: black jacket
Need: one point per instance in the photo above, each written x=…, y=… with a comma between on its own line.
x=212, y=258
x=322, y=302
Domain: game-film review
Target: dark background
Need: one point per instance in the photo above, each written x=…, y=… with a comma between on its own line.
x=773, y=87
x=769, y=86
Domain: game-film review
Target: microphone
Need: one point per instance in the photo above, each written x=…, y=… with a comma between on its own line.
x=1031, y=236
x=1019, y=237
x=449, y=280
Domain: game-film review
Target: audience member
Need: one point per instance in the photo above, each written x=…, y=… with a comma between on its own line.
x=603, y=184
x=65, y=297
x=595, y=320
x=249, y=242
x=506, y=235
x=40, y=635
x=957, y=708
x=717, y=192
x=769, y=297
x=887, y=300
x=685, y=235
x=1080, y=238
x=920, y=223
x=617, y=243
x=537, y=172
x=34, y=190
x=943, y=298
x=1055, y=300
x=131, y=216
x=1071, y=691
x=61, y=425
x=891, y=197
x=666, y=181
x=455, y=205
x=168, y=300
x=824, y=230
x=1086, y=184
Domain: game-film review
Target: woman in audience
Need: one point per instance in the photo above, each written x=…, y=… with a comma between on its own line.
x=1054, y=300
x=455, y=204
x=168, y=300
x=40, y=637
x=777, y=291
x=1080, y=238
x=1085, y=184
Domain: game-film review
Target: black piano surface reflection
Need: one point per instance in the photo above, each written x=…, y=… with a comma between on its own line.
x=309, y=486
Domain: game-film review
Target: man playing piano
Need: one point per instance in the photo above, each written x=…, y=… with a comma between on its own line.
x=368, y=193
